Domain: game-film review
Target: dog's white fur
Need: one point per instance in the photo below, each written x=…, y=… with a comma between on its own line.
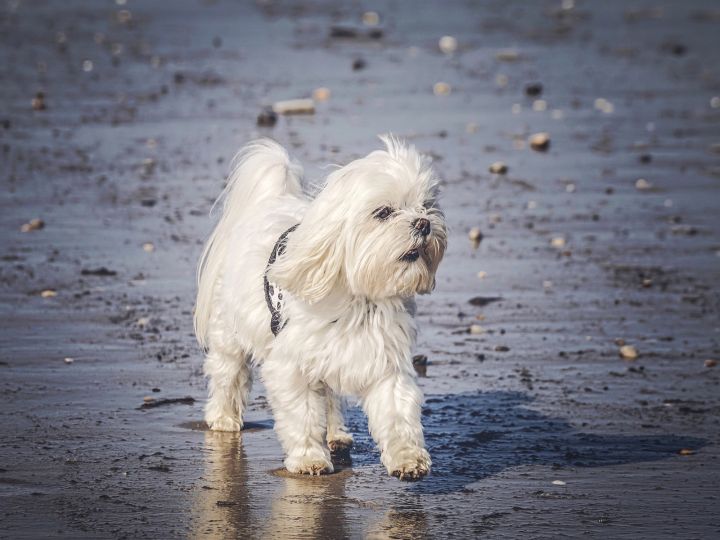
x=348, y=300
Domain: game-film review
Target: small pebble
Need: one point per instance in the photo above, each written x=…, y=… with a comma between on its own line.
x=711, y=363
x=475, y=234
x=715, y=102
x=358, y=64
x=501, y=348
x=686, y=452
x=143, y=321
x=641, y=184
x=148, y=399
x=48, y=293
x=267, y=118
x=628, y=352
x=533, y=89
x=148, y=247
x=33, y=225
x=558, y=483
x=441, y=89
x=447, y=44
x=501, y=80
x=558, y=242
x=540, y=142
x=38, y=102
x=539, y=105
x=295, y=106
x=507, y=55
x=371, y=18
x=498, y=168
x=482, y=274
x=321, y=94
x=476, y=329
x=68, y=360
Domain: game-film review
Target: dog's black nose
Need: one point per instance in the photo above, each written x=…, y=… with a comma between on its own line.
x=422, y=225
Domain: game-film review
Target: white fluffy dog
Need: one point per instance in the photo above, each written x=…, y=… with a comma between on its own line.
x=318, y=291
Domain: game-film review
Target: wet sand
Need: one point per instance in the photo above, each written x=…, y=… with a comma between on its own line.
x=536, y=425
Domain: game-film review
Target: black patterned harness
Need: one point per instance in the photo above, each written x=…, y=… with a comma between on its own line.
x=273, y=293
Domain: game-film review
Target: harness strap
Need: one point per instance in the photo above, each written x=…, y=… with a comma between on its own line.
x=273, y=293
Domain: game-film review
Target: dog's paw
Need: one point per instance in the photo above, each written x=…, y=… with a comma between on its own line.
x=411, y=465
x=224, y=423
x=312, y=465
x=340, y=442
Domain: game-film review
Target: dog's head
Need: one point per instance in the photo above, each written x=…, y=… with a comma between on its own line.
x=374, y=231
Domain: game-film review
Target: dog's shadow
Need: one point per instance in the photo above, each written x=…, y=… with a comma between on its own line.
x=475, y=435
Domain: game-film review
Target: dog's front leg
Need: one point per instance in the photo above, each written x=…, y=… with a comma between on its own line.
x=299, y=411
x=393, y=409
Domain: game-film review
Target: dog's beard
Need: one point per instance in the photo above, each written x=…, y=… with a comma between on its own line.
x=396, y=262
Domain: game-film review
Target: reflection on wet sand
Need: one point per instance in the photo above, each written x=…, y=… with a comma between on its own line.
x=399, y=524
x=221, y=506
x=232, y=503
x=237, y=500
x=309, y=507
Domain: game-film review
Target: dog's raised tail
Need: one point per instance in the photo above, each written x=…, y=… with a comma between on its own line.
x=261, y=170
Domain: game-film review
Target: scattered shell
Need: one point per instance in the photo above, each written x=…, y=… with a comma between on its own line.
x=441, y=89
x=68, y=360
x=547, y=284
x=475, y=234
x=87, y=66
x=507, y=55
x=142, y=321
x=482, y=274
x=641, y=184
x=476, y=329
x=267, y=118
x=711, y=362
x=371, y=18
x=570, y=187
x=448, y=44
x=498, y=168
x=539, y=105
x=38, y=102
x=628, y=352
x=558, y=242
x=33, y=225
x=321, y=94
x=48, y=293
x=558, y=483
x=540, y=141
x=148, y=399
x=501, y=80
x=295, y=106
x=686, y=451
x=149, y=247
x=602, y=104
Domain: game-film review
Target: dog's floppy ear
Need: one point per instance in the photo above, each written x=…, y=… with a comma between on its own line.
x=311, y=265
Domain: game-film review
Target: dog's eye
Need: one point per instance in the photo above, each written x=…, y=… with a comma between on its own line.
x=383, y=213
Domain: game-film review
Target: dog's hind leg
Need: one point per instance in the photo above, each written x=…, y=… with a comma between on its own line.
x=229, y=384
x=338, y=438
x=299, y=408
